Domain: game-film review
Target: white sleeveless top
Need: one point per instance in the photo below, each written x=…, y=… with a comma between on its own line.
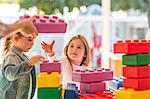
x=67, y=71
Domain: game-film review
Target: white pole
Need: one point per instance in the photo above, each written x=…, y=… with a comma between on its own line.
x=106, y=33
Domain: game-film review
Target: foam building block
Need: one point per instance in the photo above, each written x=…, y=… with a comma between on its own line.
x=136, y=71
x=71, y=91
x=123, y=93
x=137, y=84
x=62, y=93
x=49, y=93
x=115, y=84
x=92, y=87
x=136, y=60
x=48, y=24
x=45, y=80
x=49, y=67
x=96, y=75
x=98, y=95
x=116, y=65
x=132, y=47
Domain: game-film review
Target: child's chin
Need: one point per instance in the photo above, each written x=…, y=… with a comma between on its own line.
x=26, y=50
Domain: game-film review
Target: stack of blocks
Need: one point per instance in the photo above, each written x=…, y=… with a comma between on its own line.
x=48, y=24
x=91, y=81
x=49, y=80
x=137, y=72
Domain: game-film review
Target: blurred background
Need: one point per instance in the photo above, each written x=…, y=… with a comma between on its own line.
x=128, y=20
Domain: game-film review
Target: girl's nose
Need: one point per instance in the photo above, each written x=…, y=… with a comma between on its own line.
x=74, y=49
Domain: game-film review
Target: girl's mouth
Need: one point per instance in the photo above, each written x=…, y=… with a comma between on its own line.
x=73, y=53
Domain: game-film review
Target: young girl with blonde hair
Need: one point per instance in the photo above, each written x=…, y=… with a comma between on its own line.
x=18, y=71
x=77, y=56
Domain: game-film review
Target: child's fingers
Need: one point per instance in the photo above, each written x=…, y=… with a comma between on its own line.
x=45, y=43
x=44, y=48
x=53, y=42
x=32, y=18
x=42, y=59
x=42, y=44
x=39, y=57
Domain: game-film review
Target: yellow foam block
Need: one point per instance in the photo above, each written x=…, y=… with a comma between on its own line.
x=49, y=80
x=132, y=94
x=116, y=65
x=62, y=93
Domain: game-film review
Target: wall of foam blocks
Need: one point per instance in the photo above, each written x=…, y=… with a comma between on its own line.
x=136, y=84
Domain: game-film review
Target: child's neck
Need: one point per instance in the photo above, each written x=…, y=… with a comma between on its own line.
x=76, y=63
x=17, y=48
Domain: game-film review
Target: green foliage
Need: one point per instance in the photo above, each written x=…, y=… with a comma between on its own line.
x=77, y=3
x=8, y=1
x=49, y=6
x=127, y=4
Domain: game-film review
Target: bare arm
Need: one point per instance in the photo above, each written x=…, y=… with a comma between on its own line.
x=10, y=28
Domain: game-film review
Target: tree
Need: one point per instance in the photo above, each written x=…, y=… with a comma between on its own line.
x=128, y=4
x=49, y=6
x=9, y=1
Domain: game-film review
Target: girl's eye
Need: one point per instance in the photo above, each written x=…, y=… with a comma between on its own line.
x=71, y=46
x=78, y=47
x=30, y=40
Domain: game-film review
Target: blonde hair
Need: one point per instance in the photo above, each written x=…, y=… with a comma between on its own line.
x=24, y=27
x=8, y=42
x=86, y=59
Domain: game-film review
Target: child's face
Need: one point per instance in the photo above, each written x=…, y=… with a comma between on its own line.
x=24, y=43
x=76, y=50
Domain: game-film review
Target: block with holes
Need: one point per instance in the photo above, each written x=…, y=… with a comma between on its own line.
x=96, y=75
x=49, y=67
x=49, y=24
x=132, y=47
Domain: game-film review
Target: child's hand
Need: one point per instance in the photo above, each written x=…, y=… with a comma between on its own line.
x=48, y=48
x=35, y=59
x=28, y=23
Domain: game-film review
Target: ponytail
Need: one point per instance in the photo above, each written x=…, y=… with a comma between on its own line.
x=7, y=44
